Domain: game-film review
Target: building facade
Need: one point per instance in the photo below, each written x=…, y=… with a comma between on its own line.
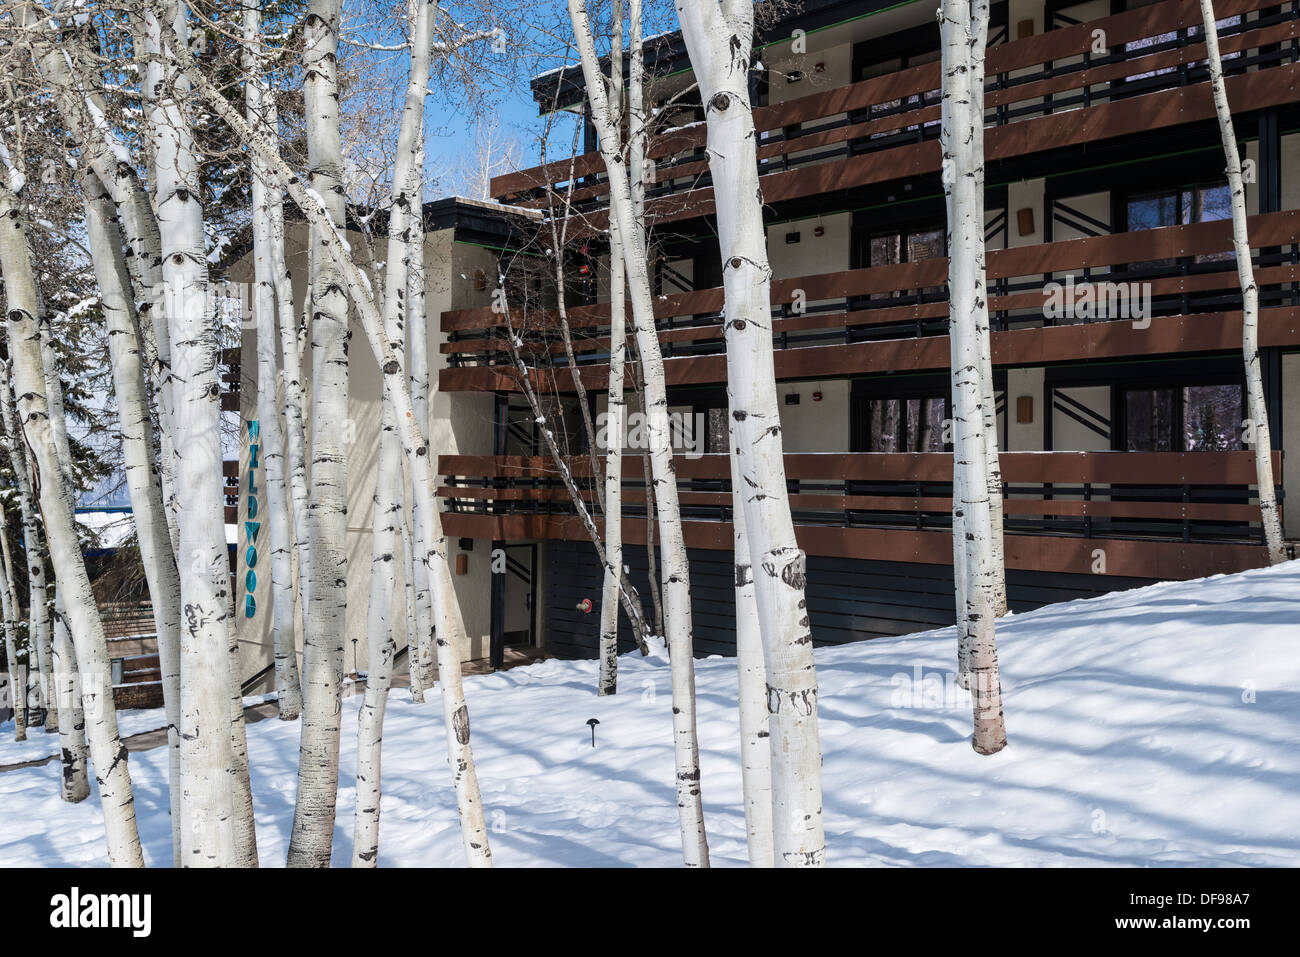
x=1115, y=310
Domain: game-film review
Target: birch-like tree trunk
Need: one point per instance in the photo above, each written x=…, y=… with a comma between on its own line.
x=616, y=401
x=973, y=557
x=1255, y=402
x=17, y=670
x=139, y=464
x=450, y=628
x=79, y=97
x=993, y=475
x=295, y=441
x=616, y=417
x=638, y=170
x=63, y=694
x=719, y=38
x=213, y=813
x=73, y=752
x=405, y=208
x=107, y=751
x=677, y=584
x=38, y=630
x=751, y=695
x=59, y=426
x=421, y=655
x=318, y=754
x=277, y=522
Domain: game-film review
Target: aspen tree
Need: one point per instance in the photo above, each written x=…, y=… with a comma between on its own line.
x=38, y=617
x=276, y=519
x=719, y=38
x=318, y=753
x=1255, y=402
x=139, y=464
x=450, y=633
x=388, y=499
x=974, y=561
x=677, y=585
x=17, y=670
x=87, y=630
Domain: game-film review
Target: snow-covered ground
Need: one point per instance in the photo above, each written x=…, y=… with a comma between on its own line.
x=1157, y=726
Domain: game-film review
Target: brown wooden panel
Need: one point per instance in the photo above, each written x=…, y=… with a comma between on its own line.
x=1209, y=332
x=1124, y=558
x=1268, y=229
x=1272, y=87
x=1059, y=44
x=1070, y=468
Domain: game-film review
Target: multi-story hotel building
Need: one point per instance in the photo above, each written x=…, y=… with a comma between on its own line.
x=1115, y=309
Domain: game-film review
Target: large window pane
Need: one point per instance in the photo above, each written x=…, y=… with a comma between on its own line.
x=1212, y=418
x=1149, y=420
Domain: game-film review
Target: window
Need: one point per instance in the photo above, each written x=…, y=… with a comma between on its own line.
x=1194, y=418
x=1195, y=204
x=905, y=425
x=1149, y=420
x=1212, y=416
x=907, y=246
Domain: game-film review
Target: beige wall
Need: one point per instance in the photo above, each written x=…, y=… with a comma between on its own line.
x=460, y=423
x=815, y=426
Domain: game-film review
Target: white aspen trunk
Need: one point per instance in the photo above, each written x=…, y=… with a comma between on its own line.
x=58, y=423
x=677, y=585
x=318, y=756
x=107, y=752
x=755, y=731
x=450, y=632
x=637, y=171
x=719, y=39
x=295, y=441
x=38, y=630
x=979, y=41
x=1255, y=402
x=210, y=752
x=277, y=521
x=17, y=671
x=405, y=208
x=139, y=465
x=421, y=656
x=963, y=188
x=616, y=403
x=64, y=689
x=74, y=781
x=379, y=638
x=81, y=106
x=616, y=417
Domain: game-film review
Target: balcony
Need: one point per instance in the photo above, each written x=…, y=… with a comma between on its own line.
x=1043, y=92
x=890, y=317
x=1166, y=515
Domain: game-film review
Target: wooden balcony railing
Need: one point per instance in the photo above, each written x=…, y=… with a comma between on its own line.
x=1151, y=76
x=908, y=300
x=873, y=503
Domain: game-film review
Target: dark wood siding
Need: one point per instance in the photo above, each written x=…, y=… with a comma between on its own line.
x=849, y=599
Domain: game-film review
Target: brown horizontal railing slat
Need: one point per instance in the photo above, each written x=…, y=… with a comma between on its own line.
x=1105, y=475
x=1055, y=45
x=1093, y=252
x=1139, y=468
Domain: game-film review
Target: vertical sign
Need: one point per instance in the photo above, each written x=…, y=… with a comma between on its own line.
x=251, y=526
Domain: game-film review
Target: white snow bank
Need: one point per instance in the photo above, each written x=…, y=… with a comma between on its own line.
x=1156, y=726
